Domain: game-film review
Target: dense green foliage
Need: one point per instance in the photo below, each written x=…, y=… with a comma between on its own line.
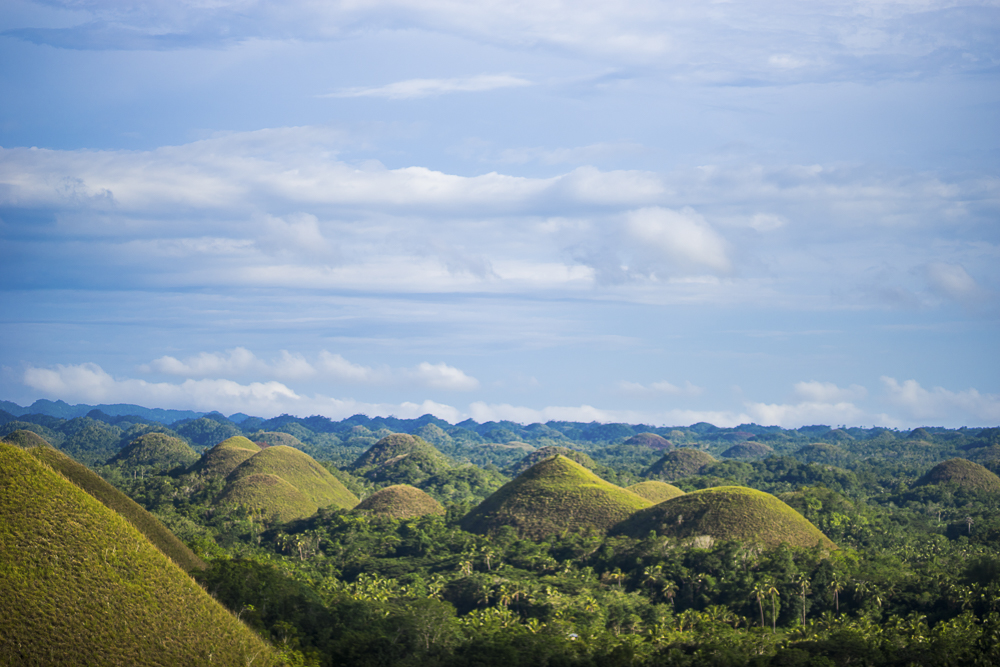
x=155, y=452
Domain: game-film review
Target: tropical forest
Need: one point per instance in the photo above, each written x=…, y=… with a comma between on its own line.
x=131, y=536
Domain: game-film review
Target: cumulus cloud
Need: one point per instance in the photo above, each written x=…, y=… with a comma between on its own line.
x=414, y=88
x=679, y=237
x=941, y=403
x=236, y=362
x=808, y=412
x=443, y=376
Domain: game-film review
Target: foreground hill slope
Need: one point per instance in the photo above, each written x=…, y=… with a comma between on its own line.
x=551, y=497
x=726, y=513
x=80, y=585
x=400, y=501
x=966, y=474
x=115, y=500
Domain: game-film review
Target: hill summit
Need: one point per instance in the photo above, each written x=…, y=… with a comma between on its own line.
x=157, y=451
x=966, y=474
x=655, y=491
x=679, y=463
x=400, y=458
x=726, y=513
x=551, y=497
x=400, y=501
x=224, y=458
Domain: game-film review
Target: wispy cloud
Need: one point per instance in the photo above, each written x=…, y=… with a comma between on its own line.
x=415, y=88
x=941, y=403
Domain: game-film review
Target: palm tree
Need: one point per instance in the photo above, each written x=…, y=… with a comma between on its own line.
x=803, y=582
x=758, y=592
x=836, y=586
x=773, y=592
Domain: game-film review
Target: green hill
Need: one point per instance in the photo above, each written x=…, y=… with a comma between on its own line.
x=273, y=438
x=157, y=451
x=747, y=450
x=402, y=459
x=554, y=496
x=726, y=513
x=273, y=496
x=25, y=439
x=546, y=453
x=115, y=500
x=964, y=473
x=655, y=491
x=679, y=463
x=301, y=471
x=79, y=585
x=650, y=440
x=401, y=501
x=225, y=457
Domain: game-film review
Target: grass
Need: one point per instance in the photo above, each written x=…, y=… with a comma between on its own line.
x=273, y=438
x=726, y=513
x=225, y=457
x=679, y=463
x=552, y=497
x=155, y=450
x=547, y=453
x=393, y=447
x=964, y=473
x=400, y=501
x=79, y=585
x=115, y=500
x=272, y=495
x=24, y=439
x=655, y=491
x=301, y=471
x=651, y=440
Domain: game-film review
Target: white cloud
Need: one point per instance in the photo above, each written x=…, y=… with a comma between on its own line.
x=443, y=376
x=678, y=238
x=661, y=387
x=336, y=367
x=806, y=413
x=941, y=403
x=828, y=392
x=952, y=281
x=415, y=88
x=236, y=362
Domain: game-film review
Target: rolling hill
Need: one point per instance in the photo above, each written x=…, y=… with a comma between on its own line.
x=402, y=459
x=679, y=463
x=655, y=491
x=964, y=473
x=156, y=451
x=225, y=457
x=726, y=513
x=546, y=453
x=400, y=501
x=554, y=496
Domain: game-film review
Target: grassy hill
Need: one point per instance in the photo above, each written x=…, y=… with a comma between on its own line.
x=225, y=457
x=400, y=458
x=400, y=501
x=298, y=469
x=655, y=491
x=273, y=438
x=650, y=440
x=272, y=495
x=554, y=496
x=25, y=439
x=679, y=463
x=726, y=513
x=964, y=473
x=747, y=450
x=157, y=451
x=115, y=500
x=79, y=585
x=548, y=452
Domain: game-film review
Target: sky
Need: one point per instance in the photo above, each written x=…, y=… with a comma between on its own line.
x=650, y=212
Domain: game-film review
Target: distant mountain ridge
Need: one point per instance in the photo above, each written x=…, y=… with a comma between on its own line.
x=64, y=410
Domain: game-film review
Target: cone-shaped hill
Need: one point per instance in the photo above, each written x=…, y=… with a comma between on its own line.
x=964, y=473
x=285, y=482
x=679, y=463
x=551, y=497
x=158, y=451
x=748, y=450
x=546, y=453
x=655, y=491
x=115, y=500
x=651, y=440
x=400, y=458
x=273, y=438
x=400, y=501
x=726, y=513
x=225, y=457
x=81, y=586
x=25, y=439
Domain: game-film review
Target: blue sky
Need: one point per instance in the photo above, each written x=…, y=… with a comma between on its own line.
x=660, y=212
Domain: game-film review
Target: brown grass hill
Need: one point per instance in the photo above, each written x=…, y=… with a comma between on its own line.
x=155, y=451
x=115, y=500
x=79, y=585
x=651, y=440
x=726, y=513
x=823, y=454
x=400, y=501
x=747, y=450
x=679, y=463
x=655, y=491
x=543, y=453
x=272, y=496
x=552, y=497
x=296, y=468
x=25, y=439
x=225, y=457
x=964, y=473
x=400, y=458
x=274, y=438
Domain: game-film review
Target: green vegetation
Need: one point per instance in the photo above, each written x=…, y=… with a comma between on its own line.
x=155, y=451
x=679, y=463
x=80, y=585
x=25, y=439
x=727, y=513
x=400, y=459
x=552, y=497
x=747, y=450
x=547, y=453
x=272, y=438
x=273, y=498
x=651, y=440
x=400, y=501
x=963, y=473
x=655, y=491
